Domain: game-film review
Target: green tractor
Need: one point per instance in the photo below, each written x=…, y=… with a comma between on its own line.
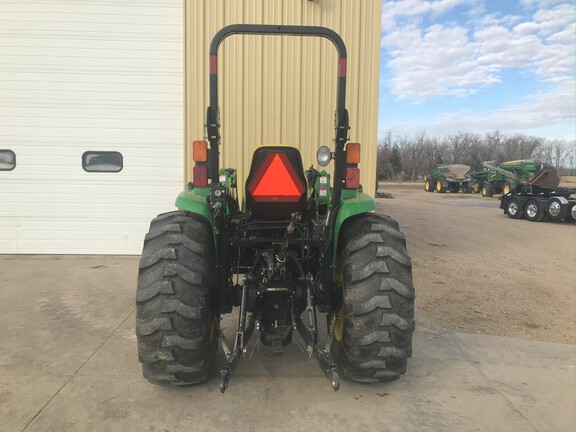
x=299, y=246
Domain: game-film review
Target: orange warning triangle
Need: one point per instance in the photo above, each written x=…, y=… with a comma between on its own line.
x=276, y=181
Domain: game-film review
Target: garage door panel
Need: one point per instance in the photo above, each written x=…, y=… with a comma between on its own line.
x=94, y=8
x=113, y=115
x=8, y=133
x=89, y=120
x=89, y=76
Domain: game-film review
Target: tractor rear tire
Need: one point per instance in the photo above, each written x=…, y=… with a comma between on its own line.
x=175, y=326
x=428, y=186
x=377, y=316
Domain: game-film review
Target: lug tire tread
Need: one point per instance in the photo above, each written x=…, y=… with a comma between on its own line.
x=378, y=301
x=174, y=322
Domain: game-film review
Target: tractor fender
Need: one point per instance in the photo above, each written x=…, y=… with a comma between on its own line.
x=195, y=201
x=359, y=204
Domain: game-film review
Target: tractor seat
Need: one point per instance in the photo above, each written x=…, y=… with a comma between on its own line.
x=276, y=185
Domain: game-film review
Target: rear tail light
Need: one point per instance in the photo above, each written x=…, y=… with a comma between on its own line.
x=200, y=176
x=352, y=178
x=200, y=151
x=353, y=153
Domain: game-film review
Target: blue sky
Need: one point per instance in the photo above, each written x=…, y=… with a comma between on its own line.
x=477, y=66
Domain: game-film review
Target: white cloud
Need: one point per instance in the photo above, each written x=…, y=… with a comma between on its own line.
x=541, y=4
x=544, y=110
x=458, y=59
x=392, y=10
x=499, y=47
x=438, y=61
x=550, y=20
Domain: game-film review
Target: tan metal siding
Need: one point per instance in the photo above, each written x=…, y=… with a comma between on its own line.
x=282, y=89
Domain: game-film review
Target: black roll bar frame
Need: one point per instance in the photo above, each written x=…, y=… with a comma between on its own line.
x=341, y=124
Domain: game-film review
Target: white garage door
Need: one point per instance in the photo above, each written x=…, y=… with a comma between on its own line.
x=94, y=80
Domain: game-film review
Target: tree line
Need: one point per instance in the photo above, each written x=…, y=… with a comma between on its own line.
x=412, y=157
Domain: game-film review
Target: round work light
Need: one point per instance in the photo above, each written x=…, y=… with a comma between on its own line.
x=323, y=156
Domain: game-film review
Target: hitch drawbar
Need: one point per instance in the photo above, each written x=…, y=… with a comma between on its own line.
x=309, y=335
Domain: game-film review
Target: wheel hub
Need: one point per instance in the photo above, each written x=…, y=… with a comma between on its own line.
x=513, y=208
x=554, y=209
x=531, y=210
x=339, y=324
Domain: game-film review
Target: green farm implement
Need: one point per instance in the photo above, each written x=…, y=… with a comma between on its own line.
x=451, y=178
x=507, y=176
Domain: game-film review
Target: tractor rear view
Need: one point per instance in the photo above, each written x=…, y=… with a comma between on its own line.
x=302, y=245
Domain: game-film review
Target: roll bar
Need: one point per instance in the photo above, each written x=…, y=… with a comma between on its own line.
x=341, y=116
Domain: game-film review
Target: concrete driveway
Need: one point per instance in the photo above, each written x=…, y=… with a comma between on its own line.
x=68, y=362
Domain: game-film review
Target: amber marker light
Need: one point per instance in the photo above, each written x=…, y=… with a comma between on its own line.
x=353, y=153
x=200, y=151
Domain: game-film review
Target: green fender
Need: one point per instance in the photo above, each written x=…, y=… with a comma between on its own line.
x=195, y=201
x=353, y=203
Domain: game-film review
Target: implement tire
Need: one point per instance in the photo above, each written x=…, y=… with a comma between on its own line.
x=376, y=321
x=488, y=190
x=441, y=186
x=175, y=326
x=476, y=186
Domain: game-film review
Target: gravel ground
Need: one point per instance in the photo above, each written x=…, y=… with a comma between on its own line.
x=478, y=271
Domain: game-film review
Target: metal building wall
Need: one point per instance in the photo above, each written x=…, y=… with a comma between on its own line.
x=282, y=89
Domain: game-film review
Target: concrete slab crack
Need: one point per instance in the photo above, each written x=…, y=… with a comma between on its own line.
x=76, y=372
x=493, y=384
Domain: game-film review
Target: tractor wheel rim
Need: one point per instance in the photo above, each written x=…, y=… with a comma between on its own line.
x=554, y=208
x=339, y=324
x=438, y=185
x=531, y=210
x=506, y=190
x=513, y=208
x=427, y=185
x=476, y=187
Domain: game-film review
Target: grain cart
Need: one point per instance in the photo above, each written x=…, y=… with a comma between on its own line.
x=448, y=177
x=299, y=245
x=505, y=177
x=540, y=199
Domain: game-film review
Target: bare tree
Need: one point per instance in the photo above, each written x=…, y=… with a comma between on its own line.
x=418, y=154
x=558, y=152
